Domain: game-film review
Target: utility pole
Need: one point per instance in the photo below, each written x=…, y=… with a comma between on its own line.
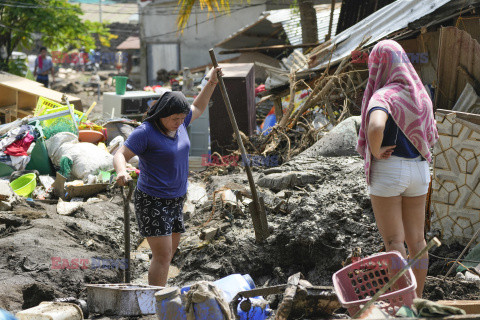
x=100, y=10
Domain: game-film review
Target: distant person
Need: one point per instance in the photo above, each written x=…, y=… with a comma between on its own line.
x=43, y=65
x=396, y=134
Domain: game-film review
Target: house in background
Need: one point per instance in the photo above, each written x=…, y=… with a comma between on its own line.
x=165, y=48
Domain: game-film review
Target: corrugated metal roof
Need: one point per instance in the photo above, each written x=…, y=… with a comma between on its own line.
x=378, y=25
x=290, y=20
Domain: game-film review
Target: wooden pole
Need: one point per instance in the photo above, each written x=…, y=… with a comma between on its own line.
x=126, y=230
x=256, y=216
x=433, y=243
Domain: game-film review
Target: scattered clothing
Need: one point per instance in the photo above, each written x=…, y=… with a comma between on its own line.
x=20, y=147
x=15, y=144
x=20, y=163
x=14, y=135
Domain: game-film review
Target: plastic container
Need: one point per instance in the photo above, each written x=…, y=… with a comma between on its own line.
x=24, y=185
x=40, y=160
x=44, y=104
x=47, y=123
x=255, y=309
x=355, y=284
x=120, y=84
x=170, y=304
x=231, y=285
x=208, y=310
x=52, y=311
x=4, y=315
x=90, y=136
x=121, y=299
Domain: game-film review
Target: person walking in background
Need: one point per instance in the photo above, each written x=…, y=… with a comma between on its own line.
x=162, y=145
x=43, y=66
x=397, y=131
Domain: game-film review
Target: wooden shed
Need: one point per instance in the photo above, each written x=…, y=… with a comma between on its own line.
x=19, y=96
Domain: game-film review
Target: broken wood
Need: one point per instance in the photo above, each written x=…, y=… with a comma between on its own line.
x=470, y=306
x=277, y=103
x=209, y=233
x=286, y=306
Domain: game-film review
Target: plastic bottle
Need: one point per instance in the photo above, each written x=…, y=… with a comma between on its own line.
x=169, y=304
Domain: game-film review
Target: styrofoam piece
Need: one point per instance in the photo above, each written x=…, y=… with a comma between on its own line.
x=122, y=299
x=52, y=311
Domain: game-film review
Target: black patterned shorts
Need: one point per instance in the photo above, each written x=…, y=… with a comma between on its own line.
x=157, y=216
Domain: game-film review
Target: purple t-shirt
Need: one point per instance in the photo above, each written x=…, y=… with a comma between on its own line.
x=163, y=160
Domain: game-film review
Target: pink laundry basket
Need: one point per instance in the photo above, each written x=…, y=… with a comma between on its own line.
x=357, y=283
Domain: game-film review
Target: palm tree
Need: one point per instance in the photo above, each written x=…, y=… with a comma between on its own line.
x=187, y=5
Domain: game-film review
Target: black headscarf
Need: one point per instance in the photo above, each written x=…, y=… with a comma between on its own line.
x=171, y=102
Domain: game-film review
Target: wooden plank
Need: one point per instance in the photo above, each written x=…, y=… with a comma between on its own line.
x=26, y=101
x=7, y=96
x=31, y=87
x=269, y=48
x=470, y=306
x=471, y=117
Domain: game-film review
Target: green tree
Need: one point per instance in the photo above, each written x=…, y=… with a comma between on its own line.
x=56, y=22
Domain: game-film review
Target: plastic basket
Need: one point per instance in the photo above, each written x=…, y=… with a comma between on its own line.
x=45, y=104
x=47, y=123
x=357, y=283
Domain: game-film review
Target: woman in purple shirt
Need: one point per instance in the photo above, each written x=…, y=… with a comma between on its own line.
x=162, y=145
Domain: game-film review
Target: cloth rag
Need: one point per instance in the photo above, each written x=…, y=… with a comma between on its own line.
x=427, y=308
x=203, y=291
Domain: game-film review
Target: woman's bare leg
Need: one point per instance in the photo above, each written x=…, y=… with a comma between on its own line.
x=161, y=256
x=413, y=209
x=388, y=215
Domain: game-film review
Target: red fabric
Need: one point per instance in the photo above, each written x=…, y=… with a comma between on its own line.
x=20, y=147
x=40, y=62
x=259, y=89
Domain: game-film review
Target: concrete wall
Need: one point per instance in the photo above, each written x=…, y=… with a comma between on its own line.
x=455, y=199
x=158, y=25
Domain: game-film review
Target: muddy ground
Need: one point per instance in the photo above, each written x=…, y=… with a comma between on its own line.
x=325, y=215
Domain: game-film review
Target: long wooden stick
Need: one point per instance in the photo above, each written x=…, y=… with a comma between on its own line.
x=433, y=243
x=261, y=232
x=463, y=252
x=126, y=229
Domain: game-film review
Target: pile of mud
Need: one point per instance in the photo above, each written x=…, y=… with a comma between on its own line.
x=325, y=215
x=44, y=255
x=318, y=213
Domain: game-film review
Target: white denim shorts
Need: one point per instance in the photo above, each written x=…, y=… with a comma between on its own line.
x=398, y=176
